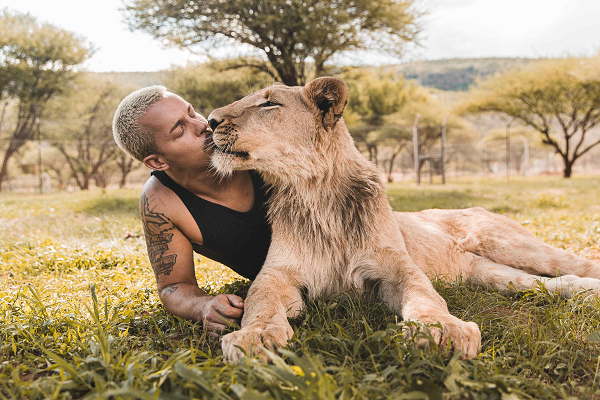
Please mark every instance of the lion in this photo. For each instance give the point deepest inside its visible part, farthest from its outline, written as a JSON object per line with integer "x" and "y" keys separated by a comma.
{"x": 334, "y": 229}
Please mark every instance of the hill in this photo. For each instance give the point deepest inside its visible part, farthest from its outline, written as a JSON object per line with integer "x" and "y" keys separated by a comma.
{"x": 456, "y": 74}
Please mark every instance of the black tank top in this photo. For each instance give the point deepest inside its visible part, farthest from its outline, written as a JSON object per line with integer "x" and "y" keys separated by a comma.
{"x": 240, "y": 240}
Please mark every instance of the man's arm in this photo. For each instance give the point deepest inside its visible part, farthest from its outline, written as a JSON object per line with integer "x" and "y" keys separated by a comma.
{"x": 171, "y": 256}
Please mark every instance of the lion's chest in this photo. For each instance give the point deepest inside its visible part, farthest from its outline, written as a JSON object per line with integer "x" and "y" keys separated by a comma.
{"x": 323, "y": 241}
{"x": 324, "y": 225}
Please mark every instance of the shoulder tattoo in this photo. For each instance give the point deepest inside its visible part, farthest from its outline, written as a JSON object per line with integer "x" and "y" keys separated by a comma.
{"x": 157, "y": 230}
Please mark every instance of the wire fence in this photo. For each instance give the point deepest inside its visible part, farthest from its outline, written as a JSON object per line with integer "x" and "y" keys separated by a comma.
{"x": 489, "y": 159}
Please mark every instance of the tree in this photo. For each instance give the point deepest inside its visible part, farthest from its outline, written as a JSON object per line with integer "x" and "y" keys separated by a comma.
{"x": 561, "y": 95}
{"x": 82, "y": 128}
{"x": 126, "y": 165}
{"x": 290, "y": 37}
{"x": 56, "y": 166}
{"x": 372, "y": 97}
{"x": 395, "y": 136}
{"x": 103, "y": 174}
{"x": 52, "y": 162}
{"x": 207, "y": 88}
{"x": 37, "y": 63}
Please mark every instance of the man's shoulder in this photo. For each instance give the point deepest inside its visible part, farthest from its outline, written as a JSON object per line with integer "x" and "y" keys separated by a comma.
{"x": 155, "y": 195}
{"x": 155, "y": 186}
{"x": 159, "y": 203}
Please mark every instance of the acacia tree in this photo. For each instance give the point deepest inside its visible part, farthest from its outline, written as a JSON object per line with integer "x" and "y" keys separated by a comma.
{"x": 293, "y": 36}
{"x": 103, "y": 174}
{"x": 126, "y": 165}
{"x": 82, "y": 128}
{"x": 207, "y": 88}
{"x": 37, "y": 63}
{"x": 56, "y": 166}
{"x": 557, "y": 95}
{"x": 372, "y": 97}
{"x": 396, "y": 137}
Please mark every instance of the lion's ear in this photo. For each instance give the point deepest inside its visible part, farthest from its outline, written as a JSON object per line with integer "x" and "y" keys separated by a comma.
{"x": 329, "y": 95}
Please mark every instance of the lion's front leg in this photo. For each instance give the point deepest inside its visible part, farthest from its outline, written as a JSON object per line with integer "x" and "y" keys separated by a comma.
{"x": 272, "y": 297}
{"x": 408, "y": 291}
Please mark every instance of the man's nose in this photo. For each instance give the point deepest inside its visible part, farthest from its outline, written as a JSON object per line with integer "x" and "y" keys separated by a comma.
{"x": 202, "y": 125}
{"x": 213, "y": 123}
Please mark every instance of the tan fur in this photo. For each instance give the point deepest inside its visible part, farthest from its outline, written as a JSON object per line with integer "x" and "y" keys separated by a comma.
{"x": 333, "y": 228}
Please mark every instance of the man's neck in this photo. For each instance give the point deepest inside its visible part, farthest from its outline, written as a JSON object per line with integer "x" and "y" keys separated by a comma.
{"x": 206, "y": 183}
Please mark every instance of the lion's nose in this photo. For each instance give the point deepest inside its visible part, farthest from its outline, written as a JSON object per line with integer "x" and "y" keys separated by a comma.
{"x": 213, "y": 123}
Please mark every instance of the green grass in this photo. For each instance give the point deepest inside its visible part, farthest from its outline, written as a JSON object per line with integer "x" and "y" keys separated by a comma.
{"x": 80, "y": 317}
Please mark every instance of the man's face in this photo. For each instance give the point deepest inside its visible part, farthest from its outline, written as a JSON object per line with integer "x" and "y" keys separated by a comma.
{"x": 180, "y": 133}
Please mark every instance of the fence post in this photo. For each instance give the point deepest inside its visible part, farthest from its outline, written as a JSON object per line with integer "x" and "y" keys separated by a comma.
{"x": 444, "y": 149}
{"x": 508, "y": 149}
{"x": 525, "y": 155}
{"x": 416, "y": 143}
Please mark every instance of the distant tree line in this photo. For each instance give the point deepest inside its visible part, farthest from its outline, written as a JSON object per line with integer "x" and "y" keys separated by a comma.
{"x": 457, "y": 74}
{"x": 456, "y": 79}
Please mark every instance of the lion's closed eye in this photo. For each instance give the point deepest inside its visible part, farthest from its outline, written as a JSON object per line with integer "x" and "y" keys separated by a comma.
{"x": 268, "y": 104}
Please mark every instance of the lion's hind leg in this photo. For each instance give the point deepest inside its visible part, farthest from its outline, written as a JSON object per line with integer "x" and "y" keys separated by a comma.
{"x": 499, "y": 276}
{"x": 506, "y": 242}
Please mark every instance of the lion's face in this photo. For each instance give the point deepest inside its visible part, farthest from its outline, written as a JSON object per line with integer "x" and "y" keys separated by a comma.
{"x": 275, "y": 130}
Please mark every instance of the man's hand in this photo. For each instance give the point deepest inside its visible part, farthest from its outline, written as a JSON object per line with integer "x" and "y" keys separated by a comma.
{"x": 221, "y": 311}
{"x": 186, "y": 300}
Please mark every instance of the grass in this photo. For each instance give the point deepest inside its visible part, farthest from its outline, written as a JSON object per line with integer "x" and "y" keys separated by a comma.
{"x": 80, "y": 317}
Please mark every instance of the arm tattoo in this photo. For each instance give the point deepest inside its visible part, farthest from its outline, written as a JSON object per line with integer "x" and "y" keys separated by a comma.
{"x": 169, "y": 289}
{"x": 158, "y": 237}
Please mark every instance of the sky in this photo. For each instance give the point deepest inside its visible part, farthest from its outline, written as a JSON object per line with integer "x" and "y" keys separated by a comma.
{"x": 451, "y": 29}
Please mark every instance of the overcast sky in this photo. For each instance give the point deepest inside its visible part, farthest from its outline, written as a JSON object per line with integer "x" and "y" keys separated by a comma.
{"x": 452, "y": 28}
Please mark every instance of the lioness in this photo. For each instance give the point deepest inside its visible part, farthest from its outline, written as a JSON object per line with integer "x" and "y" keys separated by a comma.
{"x": 333, "y": 227}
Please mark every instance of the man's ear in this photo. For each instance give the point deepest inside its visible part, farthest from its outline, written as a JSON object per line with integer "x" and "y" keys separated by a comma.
{"x": 156, "y": 162}
{"x": 329, "y": 95}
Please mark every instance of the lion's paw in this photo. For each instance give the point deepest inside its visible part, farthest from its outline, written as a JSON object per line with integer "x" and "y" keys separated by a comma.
{"x": 251, "y": 337}
{"x": 464, "y": 336}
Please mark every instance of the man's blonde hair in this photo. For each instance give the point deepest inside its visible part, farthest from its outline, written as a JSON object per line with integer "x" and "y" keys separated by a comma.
{"x": 135, "y": 140}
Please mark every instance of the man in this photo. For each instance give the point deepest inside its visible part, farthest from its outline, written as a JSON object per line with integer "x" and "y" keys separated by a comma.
{"x": 185, "y": 207}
